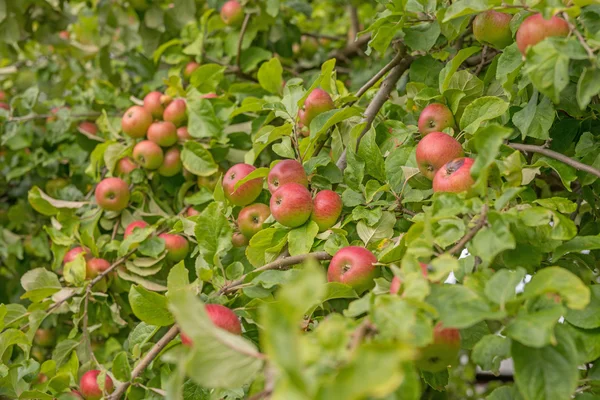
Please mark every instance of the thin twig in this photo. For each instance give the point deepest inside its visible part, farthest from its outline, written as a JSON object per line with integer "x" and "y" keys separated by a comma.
{"x": 359, "y": 334}
{"x": 86, "y": 335}
{"x": 354, "y": 24}
{"x": 482, "y": 63}
{"x": 580, "y": 37}
{"x": 238, "y": 60}
{"x": 395, "y": 61}
{"x": 458, "y": 247}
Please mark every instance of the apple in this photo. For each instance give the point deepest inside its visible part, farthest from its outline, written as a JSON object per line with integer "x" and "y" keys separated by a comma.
{"x": 44, "y": 337}
{"x": 95, "y": 266}
{"x": 248, "y": 191}
{"x": 535, "y": 28}
{"x": 222, "y": 317}
{"x": 176, "y": 245}
{"x": 183, "y": 134}
{"x": 492, "y": 28}
{"x": 152, "y": 103}
{"x": 454, "y": 176}
{"x": 71, "y": 254}
{"x": 239, "y": 240}
{"x": 191, "y": 212}
{"x": 304, "y": 131}
{"x": 125, "y": 166}
{"x": 209, "y": 182}
{"x": 189, "y": 69}
{"x": 88, "y": 127}
{"x": 209, "y": 96}
{"x": 232, "y": 13}
{"x": 435, "y": 150}
{"x": 435, "y": 118}
{"x": 176, "y": 112}
{"x": 327, "y": 208}
{"x": 3, "y": 96}
{"x": 163, "y": 133}
{"x": 251, "y": 219}
{"x": 88, "y": 385}
{"x": 317, "y": 102}
{"x": 136, "y": 121}
{"x": 5, "y": 106}
{"x": 286, "y": 171}
{"x": 353, "y": 266}
{"x": 291, "y": 205}
{"x": 112, "y": 194}
{"x": 131, "y": 227}
{"x": 148, "y": 154}
{"x": 442, "y": 352}
{"x": 172, "y": 163}
{"x": 397, "y": 282}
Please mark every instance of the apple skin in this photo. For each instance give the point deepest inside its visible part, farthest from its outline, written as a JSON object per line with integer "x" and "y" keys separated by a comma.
{"x": 189, "y": 69}
{"x": 251, "y": 219}
{"x": 239, "y": 240}
{"x": 191, "y": 212}
{"x": 89, "y": 388}
{"x": 177, "y": 246}
{"x": 435, "y": 150}
{"x": 64, "y": 35}
{"x": 353, "y": 266}
{"x": 304, "y": 131}
{"x": 443, "y": 351}
{"x": 247, "y": 192}
{"x": 535, "y": 28}
{"x": 492, "y": 28}
{"x": 153, "y": 104}
{"x": 112, "y": 194}
{"x": 148, "y": 154}
{"x": 327, "y": 208}
{"x": 209, "y": 96}
{"x": 435, "y": 118}
{"x": 454, "y": 176}
{"x": 232, "y": 13}
{"x": 163, "y": 133}
{"x": 136, "y": 121}
{"x": 291, "y": 205}
{"x": 172, "y": 163}
{"x": 176, "y": 112}
{"x": 397, "y": 282}
{"x": 88, "y": 127}
{"x": 5, "y": 106}
{"x": 131, "y": 227}
{"x": 3, "y": 96}
{"x": 95, "y": 266}
{"x": 183, "y": 134}
{"x": 286, "y": 171}
{"x": 222, "y": 317}
{"x": 44, "y": 337}
{"x": 71, "y": 254}
{"x": 125, "y": 166}
{"x": 317, "y": 102}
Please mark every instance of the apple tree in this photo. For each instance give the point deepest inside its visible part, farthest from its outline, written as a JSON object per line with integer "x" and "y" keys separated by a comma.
{"x": 266, "y": 199}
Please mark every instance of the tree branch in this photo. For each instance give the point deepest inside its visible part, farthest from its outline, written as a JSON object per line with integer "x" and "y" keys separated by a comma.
{"x": 458, "y": 247}
{"x": 557, "y": 156}
{"x": 84, "y": 329}
{"x": 395, "y": 61}
{"x": 322, "y": 36}
{"x": 581, "y": 39}
{"x": 238, "y": 60}
{"x": 354, "y": 24}
{"x": 143, "y": 364}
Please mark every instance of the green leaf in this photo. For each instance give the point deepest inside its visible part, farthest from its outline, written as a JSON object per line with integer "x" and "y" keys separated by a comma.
{"x": 301, "y": 239}
{"x": 368, "y": 150}
{"x": 121, "y": 368}
{"x": 576, "y": 245}
{"x": 559, "y": 280}
{"x": 253, "y": 56}
{"x": 257, "y": 173}
{"x": 213, "y": 233}
{"x": 383, "y": 229}
{"x": 39, "y": 283}
{"x": 149, "y": 307}
{"x": 451, "y": 67}
{"x": 269, "y": 76}
{"x": 535, "y": 120}
{"x": 202, "y": 123}
{"x": 46, "y": 205}
{"x": 535, "y": 328}
{"x": 501, "y": 287}
{"x": 588, "y": 86}
{"x": 179, "y": 278}
{"x": 487, "y": 142}
{"x": 480, "y": 110}
{"x": 13, "y": 337}
{"x": 567, "y": 173}
{"x": 589, "y": 317}
{"x": 63, "y": 350}
{"x": 468, "y": 7}
{"x": 489, "y": 242}
{"x": 197, "y": 159}
{"x": 422, "y": 36}
{"x": 206, "y": 78}
{"x": 489, "y": 352}
{"x": 74, "y": 271}
{"x": 322, "y": 122}
{"x": 548, "y": 69}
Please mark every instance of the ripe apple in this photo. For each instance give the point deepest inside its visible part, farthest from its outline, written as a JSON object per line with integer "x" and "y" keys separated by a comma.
{"x": 232, "y": 13}
{"x": 251, "y": 219}
{"x": 317, "y": 102}
{"x": 435, "y": 150}
{"x": 291, "y": 205}
{"x": 353, "y": 266}
{"x": 454, "y": 176}
{"x": 209, "y": 182}
{"x": 304, "y": 131}
{"x": 493, "y": 29}
{"x": 64, "y": 35}
{"x": 183, "y": 134}
{"x": 239, "y": 240}
{"x": 327, "y": 208}
{"x": 136, "y": 121}
{"x": 112, "y": 194}
{"x": 189, "y": 69}
{"x": 172, "y": 163}
{"x": 286, "y": 171}
{"x": 44, "y": 337}
{"x": 95, "y": 266}
{"x": 153, "y": 104}
{"x": 125, "y": 166}
{"x": 71, "y": 254}
{"x": 248, "y": 191}
{"x": 163, "y": 133}
{"x": 535, "y": 28}
{"x": 222, "y": 317}
{"x": 148, "y": 154}
{"x": 177, "y": 246}
{"x": 442, "y": 352}
{"x": 131, "y": 227}
{"x": 397, "y": 282}
{"x": 88, "y": 127}
{"x": 5, "y": 106}
{"x": 191, "y": 212}
{"x": 176, "y": 112}
{"x": 88, "y": 385}
{"x": 435, "y": 118}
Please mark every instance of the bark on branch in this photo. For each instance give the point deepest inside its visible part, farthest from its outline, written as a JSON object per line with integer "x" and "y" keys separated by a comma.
{"x": 458, "y": 247}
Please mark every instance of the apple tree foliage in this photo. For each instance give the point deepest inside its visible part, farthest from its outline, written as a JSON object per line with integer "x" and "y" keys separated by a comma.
{"x": 521, "y": 245}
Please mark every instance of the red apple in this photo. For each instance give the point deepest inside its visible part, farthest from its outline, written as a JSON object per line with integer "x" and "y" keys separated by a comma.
{"x": 535, "y": 28}
{"x": 209, "y": 96}
{"x": 435, "y": 150}
{"x": 353, "y": 266}
{"x": 303, "y": 128}
{"x": 163, "y": 133}
{"x": 172, "y": 163}
{"x": 136, "y": 121}
{"x": 153, "y": 104}
{"x": 248, "y": 191}
{"x": 112, "y": 194}
{"x": 131, "y": 227}
{"x": 454, "y": 177}
{"x": 189, "y": 69}
{"x": 5, "y": 106}
{"x": 327, "y": 208}
{"x": 239, "y": 240}
{"x": 44, "y": 337}
{"x": 176, "y": 245}
{"x": 191, "y": 212}
{"x": 222, "y": 317}
{"x": 64, "y": 35}
{"x": 88, "y": 127}
{"x": 435, "y": 118}
{"x": 183, "y": 134}
{"x": 232, "y": 13}
{"x": 251, "y": 219}
{"x": 176, "y": 112}
{"x": 148, "y": 154}
{"x": 88, "y": 385}
{"x": 397, "y": 282}
{"x": 71, "y": 254}
{"x": 125, "y": 166}
{"x": 3, "y": 96}
{"x": 317, "y": 102}
{"x": 492, "y": 28}
{"x": 95, "y": 266}
{"x": 286, "y": 171}
{"x": 443, "y": 352}
{"x": 291, "y": 205}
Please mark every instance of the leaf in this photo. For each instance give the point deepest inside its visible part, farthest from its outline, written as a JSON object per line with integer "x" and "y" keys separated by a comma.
{"x": 206, "y": 78}
{"x": 487, "y": 142}
{"x": 422, "y": 36}
{"x": 253, "y": 56}
{"x": 489, "y": 242}
{"x": 467, "y": 7}
{"x": 257, "y": 173}
{"x": 213, "y": 233}
{"x": 448, "y": 71}
{"x": 548, "y": 69}
{"x": 39, "y": 284}
{"x": 121, "y": 368}
{"x": 322, "y": 122}
{"x": 12, "y": 337}
{"x": 480, "y": 110}
{"x": 46, "y": 205}
{"x": 561, "y": 281}
{"x": 566, "y": 172}
{"x": 535, "y": 328}
{"x": 74, "y": 271}
{"x": 149, "y": 307}
{"x": 368, "y": 150}
{"x": 589, "y": 317}
{"x": 576, "y": 245}
{"x": 269, "y": 76}
{"x": 63, "y": 350}
{"x": 489, "y": 352}
{"x": 383, "y": 229}
{"x": 501, "y": 287}
{"x": 202, "y": 123}
{"x": 535, "y": 120}
{"x": 588, "y": 86}
{"x": 301, "y": 239}
{"x": 179, "y": 278}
